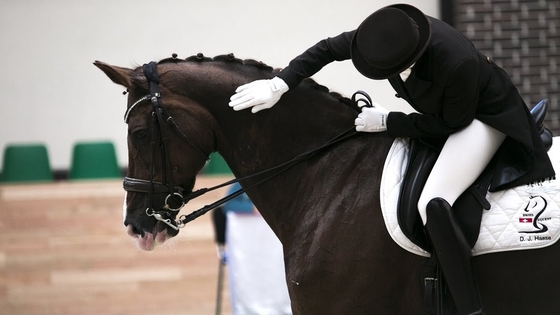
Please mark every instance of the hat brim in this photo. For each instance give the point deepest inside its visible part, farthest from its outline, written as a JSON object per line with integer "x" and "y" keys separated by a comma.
{"x": 366, "y": 69}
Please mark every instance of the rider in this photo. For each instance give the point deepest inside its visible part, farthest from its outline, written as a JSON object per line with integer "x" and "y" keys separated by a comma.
{"x": 464, "y": 102}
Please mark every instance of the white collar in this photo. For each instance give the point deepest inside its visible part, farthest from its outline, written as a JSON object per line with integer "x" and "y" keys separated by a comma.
{"x": 404, "y": 75}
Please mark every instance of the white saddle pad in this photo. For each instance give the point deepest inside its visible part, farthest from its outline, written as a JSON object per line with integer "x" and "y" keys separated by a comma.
{"x": 525, "y": 217}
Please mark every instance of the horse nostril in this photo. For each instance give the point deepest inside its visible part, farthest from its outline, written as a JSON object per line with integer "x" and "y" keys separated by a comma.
{"x": 137, "y": 231}
{"x": 133, "y": 229}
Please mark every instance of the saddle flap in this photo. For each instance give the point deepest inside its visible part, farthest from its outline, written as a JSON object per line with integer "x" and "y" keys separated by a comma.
{"x": 467, "y": 208}
{"x": 421, "y": 160}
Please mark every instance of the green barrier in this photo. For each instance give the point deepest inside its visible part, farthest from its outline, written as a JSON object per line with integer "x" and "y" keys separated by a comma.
{"x": 216, "y": 165}
{"x": 26, "y": 163}
{"x": 94, "y": 160}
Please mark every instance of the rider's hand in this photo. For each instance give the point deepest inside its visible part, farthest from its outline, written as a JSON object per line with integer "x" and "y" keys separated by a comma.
{"x": 372, "y": 119}
{"x": 259, "y": 95}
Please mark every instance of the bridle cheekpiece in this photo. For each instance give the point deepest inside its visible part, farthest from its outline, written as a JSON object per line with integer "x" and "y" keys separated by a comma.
{"x": 175, "y": 200}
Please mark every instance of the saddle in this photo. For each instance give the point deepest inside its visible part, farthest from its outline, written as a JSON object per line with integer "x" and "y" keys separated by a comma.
{"x": 468, "y": 207}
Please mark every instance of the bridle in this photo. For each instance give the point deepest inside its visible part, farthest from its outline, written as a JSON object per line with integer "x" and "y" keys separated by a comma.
{"x": 175, "y": 199}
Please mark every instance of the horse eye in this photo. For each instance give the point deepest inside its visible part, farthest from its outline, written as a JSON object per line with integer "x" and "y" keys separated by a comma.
{"x": 141, "y": 134}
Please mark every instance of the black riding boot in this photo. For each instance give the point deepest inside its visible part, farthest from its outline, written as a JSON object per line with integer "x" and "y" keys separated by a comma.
{"x": 454, "y": 256}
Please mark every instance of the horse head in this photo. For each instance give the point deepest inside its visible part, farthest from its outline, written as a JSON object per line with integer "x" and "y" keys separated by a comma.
{"x": 158, "y": 174}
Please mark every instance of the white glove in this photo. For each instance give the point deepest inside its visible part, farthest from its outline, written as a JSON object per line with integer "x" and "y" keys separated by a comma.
{"x": 259, "y": 94}
{"x": 372, "y": 119}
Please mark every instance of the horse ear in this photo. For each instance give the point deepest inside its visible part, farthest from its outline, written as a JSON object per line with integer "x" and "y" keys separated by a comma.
{"x": 119, "y": 75}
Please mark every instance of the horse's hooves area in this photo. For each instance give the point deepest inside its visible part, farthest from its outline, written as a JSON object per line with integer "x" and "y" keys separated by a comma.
{"x": 64, "y": 250}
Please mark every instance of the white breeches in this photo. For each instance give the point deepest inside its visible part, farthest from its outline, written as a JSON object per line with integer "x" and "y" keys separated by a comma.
{"x": 464, "y": 156}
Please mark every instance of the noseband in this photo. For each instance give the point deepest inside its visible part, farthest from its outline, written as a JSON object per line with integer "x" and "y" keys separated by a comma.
{"x": 175, "y": 199}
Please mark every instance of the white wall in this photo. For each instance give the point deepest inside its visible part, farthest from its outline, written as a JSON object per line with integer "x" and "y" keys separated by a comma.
{"x": 51, "y": 93}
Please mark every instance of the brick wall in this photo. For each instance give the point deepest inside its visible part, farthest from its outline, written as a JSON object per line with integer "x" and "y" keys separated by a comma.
{"x": 523, "y": 37}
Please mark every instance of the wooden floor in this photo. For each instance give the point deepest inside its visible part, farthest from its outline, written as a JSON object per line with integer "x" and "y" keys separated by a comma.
{"x": 64, "y": 250}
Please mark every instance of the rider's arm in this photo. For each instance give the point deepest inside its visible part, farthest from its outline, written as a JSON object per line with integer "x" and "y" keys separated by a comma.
{"x": 263, "y": 94}
{"x": 455, "y": 110}
{"x": 316, "y": 57}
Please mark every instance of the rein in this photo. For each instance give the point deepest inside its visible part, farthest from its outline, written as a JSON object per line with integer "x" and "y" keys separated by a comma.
{"x": 184, "y": 219}
{"x": 175, "y": 199}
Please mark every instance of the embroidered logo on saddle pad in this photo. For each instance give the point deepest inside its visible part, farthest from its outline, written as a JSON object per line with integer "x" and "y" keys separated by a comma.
{"x": 525, "y": 217}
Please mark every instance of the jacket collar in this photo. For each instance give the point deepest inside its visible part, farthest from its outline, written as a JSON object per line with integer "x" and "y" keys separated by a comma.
{"x": 420, "y": 80}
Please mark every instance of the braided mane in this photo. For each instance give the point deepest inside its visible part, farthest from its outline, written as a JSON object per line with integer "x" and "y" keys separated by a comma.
{"x": 230, "y": 58}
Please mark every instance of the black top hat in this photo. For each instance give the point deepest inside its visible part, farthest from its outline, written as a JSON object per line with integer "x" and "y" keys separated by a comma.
{"x": 390, "y": 40}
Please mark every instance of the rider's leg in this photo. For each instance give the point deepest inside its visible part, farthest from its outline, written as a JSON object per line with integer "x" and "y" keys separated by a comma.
{"x": 463, "y": 157}
{"x": 454, "y": 256}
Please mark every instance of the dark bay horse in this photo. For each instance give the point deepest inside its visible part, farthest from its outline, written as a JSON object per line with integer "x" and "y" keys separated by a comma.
{"x": 325, "y": 210}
